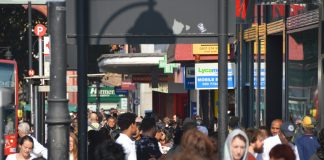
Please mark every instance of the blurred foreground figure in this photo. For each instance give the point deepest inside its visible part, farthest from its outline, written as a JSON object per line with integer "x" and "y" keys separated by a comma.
{"x": 282, "y": 152}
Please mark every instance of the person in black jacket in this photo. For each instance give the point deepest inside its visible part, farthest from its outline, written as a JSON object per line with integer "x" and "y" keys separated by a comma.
{"x": 147, "y": 147}
{"x": 111, "y": 127}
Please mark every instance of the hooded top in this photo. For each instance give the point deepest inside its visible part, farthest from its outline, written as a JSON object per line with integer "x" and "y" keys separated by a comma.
{"x": 229, "y": 139}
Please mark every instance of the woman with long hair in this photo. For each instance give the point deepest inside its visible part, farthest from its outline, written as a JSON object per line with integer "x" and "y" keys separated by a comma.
{"x": 73, "y": 147}
{"x": 26, "y": 145}
{"x": 197, "y": 143}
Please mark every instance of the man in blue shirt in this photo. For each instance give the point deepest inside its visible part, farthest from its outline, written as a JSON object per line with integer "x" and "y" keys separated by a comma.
{"x": 307, "y": 144}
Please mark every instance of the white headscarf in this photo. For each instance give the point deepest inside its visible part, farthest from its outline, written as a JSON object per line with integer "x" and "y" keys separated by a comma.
{"x": 227, "y": 147}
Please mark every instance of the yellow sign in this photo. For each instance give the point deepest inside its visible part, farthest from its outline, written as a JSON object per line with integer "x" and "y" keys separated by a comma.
{"x": 20, "y": 113}
{"x": 262, "y": 47}
{"x": 207, "y": 49}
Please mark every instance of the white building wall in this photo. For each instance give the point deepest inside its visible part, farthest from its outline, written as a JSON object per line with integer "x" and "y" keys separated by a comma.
{"x": 146, "y": 100}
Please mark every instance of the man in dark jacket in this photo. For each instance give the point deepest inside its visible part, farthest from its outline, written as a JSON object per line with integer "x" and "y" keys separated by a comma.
{"x": 147, "y": 147}
{"x": 111, "y": 127}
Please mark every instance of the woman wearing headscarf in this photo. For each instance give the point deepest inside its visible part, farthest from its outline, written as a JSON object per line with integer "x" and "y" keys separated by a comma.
{"x": 236, "y": 145}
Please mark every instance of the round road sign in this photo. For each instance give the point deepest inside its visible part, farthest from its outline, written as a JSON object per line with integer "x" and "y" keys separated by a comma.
{"x": 136, "y": 101}
{"x": 31, "y": 72}
{"x": 40, "y": 30}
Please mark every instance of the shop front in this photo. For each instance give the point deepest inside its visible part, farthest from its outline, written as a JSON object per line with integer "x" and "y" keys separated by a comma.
{"x": 282, "y": 54}
{"x": 105, "y": 98}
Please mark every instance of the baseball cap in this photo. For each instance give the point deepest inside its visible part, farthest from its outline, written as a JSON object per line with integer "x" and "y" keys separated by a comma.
{"x": 308, "y": 122}
{"x": 288, "y": 129}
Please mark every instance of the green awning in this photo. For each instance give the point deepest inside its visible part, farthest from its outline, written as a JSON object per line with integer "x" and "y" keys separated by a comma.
{"x": 72, "y": 108}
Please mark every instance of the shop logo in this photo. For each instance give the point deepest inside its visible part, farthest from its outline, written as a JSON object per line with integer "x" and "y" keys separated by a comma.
{"x": 207, "y": 70}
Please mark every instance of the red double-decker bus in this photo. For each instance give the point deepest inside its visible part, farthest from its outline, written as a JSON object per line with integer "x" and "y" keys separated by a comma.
{"x": 9, "y": 118}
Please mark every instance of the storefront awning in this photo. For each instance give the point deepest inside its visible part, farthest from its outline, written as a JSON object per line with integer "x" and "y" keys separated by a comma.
{"x": 139, "y": 63}
{"x": 72, "y": 108}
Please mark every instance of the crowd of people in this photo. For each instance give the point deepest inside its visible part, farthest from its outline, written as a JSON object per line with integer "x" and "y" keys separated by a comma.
{"x": 127, "y": 136}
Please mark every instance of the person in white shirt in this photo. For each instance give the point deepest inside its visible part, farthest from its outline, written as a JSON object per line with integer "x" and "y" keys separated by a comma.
{"x": 39, "y": 150}
{"x": 25, "y": 148}
{"x": 128, "y": 128}
{"x": 282, "y": 137}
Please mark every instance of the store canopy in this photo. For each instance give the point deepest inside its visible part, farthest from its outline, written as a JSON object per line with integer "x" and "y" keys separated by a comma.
{"x": 72, "y": 108}
{"x": 139, "y": 63}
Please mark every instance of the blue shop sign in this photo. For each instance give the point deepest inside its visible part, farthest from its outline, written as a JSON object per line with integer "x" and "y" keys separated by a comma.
{"x": 119, "y": 91}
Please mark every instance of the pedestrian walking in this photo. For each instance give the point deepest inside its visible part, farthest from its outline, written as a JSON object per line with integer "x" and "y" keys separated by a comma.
{"x": 319, "y": 155}
{"x": 111, "y": 127}
{"x": 147, "y": 147}
{"x": 38, "y": 150}
{"x": 282, "y": 152}
{"x": 109, "y": 150}
{"x": 283, "y": 136}
{"x": 307, "y": 144}
{"x": 256, "y": 139}
{"x": 236, "y": 145}
{"x": 126, "y": 122}
{"x": 26, "y": 145}
{"x": 73, "y": 146}
{"x": 195, "y": 145}
{"x": 93, "y": 122}
{"x": 275, "y": 126}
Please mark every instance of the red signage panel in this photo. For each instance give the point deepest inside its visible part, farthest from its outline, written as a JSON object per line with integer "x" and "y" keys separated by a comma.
{"x": 148, "y": 78}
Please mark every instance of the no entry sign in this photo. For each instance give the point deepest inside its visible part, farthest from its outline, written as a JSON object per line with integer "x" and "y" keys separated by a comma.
{"x": 40, "y": 30}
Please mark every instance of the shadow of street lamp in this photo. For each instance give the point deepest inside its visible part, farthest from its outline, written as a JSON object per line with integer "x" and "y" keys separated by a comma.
{"x": 8, "y": 55}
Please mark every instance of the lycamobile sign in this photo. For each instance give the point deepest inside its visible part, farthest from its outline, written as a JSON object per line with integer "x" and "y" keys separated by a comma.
{"x": 206, "y": 70}
{"x": 206, "y": 76}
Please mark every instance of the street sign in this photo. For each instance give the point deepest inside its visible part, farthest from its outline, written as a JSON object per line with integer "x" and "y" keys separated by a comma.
{"x": 136, "y": 101}
{"x": 189, "y": 81}
{"x": 46, "y": 46}
{"x": 31, "y": 72}
{"x": 207, "y": 49}
{"x": 119, "y": 91}
{"x": 40, "y": 30}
